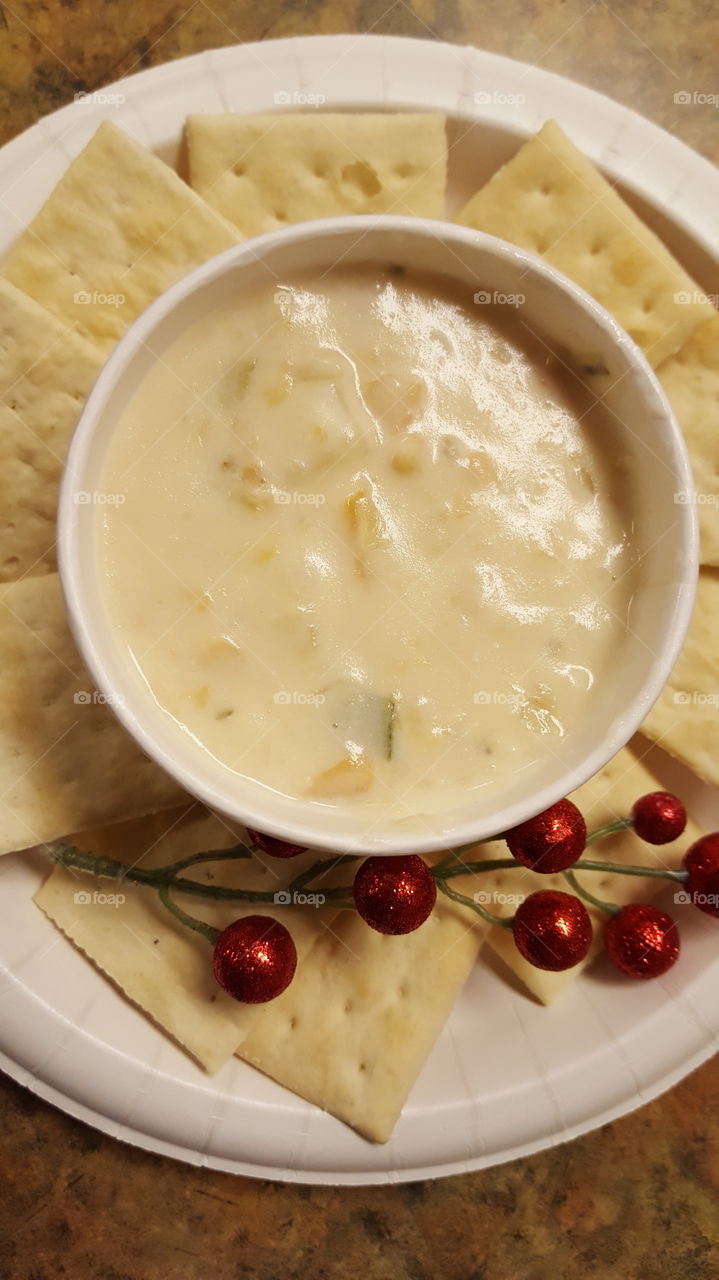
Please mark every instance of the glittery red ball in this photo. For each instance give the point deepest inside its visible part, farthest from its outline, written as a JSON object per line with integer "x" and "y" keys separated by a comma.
{"x": 395, "y": 895}
{"x": 659, "y": 817}
{"x": 276, "y": 848}
{"x": 552, "y": 841}
{"x": 702, "y": 863}
{"x": 552, "y": 930}
{"x": 642, "y": 941}
{"x": 255, "y": 959}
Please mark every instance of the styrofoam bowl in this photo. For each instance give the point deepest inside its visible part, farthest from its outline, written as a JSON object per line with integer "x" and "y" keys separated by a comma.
{"x": 571, "y": 323}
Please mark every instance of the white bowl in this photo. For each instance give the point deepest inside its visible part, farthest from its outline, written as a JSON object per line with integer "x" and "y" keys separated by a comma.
{"x": 571, "y": 322}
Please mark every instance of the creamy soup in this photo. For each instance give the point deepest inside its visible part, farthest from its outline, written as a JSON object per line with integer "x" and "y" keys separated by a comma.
{"x": 368, "y": 541}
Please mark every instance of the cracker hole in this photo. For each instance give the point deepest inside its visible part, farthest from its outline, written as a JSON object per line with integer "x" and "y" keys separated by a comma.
{"x": 596, "y": 248}
{"x": 362, "y": 176}
{"x": 363, "y": 1066}
{"x": 404, "y": 170}
{"x": 293, "y": 1024}
{"x": 348, "y": 1006}
{"x": 403, "y": 991}
{"x": 280, "y": 215}
{"x": 239, "y": 171}
{"x": 546, "y": 189}
{"x": 319, "y": 171}
{"x": 604, "y": 883}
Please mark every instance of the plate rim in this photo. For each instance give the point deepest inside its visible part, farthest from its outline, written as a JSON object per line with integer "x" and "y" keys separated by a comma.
{"x": 311, "y": 1177}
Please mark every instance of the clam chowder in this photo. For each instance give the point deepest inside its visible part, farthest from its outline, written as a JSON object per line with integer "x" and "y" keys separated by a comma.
{"x": 369, "y": 542}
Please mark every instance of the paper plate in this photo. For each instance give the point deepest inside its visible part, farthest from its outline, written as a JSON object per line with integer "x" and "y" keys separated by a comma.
{"x": 506, "y": 1078}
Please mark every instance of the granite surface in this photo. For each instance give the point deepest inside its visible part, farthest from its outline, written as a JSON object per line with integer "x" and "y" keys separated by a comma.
{"x": 637, "y": 1200}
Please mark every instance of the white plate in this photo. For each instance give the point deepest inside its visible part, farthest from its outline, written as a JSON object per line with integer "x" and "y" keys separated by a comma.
{"x": 506, "y": 1077}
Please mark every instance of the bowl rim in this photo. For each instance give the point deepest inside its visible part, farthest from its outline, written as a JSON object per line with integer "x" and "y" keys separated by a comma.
{"x": 79, "y": 601}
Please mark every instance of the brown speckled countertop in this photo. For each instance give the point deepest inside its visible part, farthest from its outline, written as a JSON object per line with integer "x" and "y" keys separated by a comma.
{"x": 636, "y": 1200}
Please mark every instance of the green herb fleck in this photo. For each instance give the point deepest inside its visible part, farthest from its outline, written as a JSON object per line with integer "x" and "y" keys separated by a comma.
{"x": 391, "y": 717}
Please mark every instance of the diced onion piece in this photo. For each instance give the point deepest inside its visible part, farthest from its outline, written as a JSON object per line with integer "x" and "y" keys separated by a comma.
{"x": 365, "y": 520}
{"x": 362, "y": 720}
{"x": 410, "y": 455}
{"x": 537, "y": 710}
{"x": 278, "y": 391}
{"x": 393, "y": 404}
{"x": 250, "y": 487}
{"x": 349, "y": 777}
{"x": 200, "y": 696}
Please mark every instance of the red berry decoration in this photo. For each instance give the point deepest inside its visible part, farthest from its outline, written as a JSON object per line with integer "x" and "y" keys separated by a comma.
{"x": 642, "y": 941}
{"x": 276, "y": 848}
{"x": 552, "y": 841}
{"x": 255, "y": 959}
{"x": 659, "y": 817}
{"x": 552, "y": 930}
{"x": 395, "y": 895}
{"x": 702, "y": 863}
